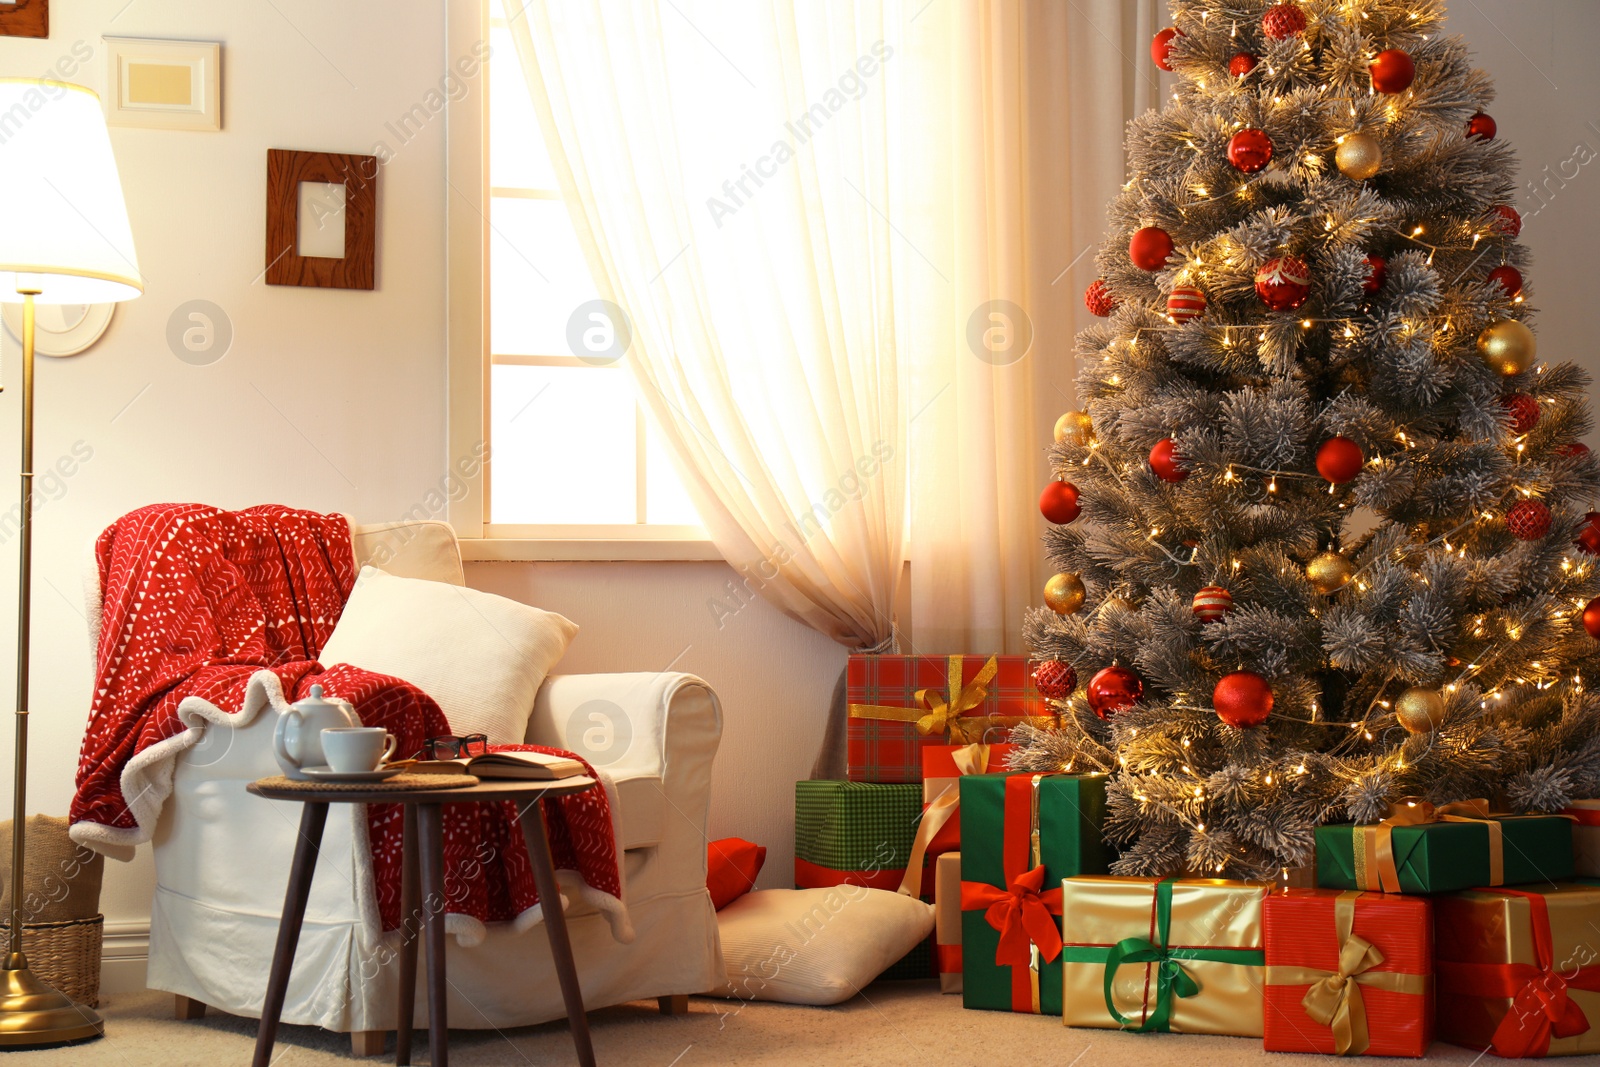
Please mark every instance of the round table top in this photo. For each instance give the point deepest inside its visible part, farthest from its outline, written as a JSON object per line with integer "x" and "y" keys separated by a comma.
{"x": 485, "y": 790}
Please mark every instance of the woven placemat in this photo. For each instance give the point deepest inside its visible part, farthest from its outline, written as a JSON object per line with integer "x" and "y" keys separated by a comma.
{"x": 400, "y": 783}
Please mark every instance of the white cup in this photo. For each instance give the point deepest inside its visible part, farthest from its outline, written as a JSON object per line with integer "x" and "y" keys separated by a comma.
{"x": 354, "y": 749}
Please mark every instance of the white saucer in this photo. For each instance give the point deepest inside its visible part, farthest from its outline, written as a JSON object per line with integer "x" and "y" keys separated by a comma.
{"x": 328, "y": 774}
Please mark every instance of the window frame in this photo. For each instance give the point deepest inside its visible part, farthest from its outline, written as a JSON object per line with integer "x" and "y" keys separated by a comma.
{"x": 469, "y": 356}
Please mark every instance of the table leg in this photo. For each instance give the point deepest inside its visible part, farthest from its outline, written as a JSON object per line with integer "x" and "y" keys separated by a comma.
{"x": 555, "y": 924}
{"x": 411, "y": 933}
{"x": 430, "y": 840}
{"x": 313, "y": 817}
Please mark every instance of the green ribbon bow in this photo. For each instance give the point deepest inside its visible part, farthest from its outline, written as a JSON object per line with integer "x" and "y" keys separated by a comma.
{"x": 1172, "y": 979}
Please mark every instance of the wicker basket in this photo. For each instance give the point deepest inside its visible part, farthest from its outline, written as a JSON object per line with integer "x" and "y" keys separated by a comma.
{"x": 66, "y": 954}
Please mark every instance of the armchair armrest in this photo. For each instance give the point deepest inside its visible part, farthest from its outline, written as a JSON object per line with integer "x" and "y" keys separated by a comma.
{"x": 655, "y": 734}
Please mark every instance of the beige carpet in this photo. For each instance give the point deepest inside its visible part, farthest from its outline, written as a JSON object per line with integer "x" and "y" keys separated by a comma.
{"x": 892, "y": 1023}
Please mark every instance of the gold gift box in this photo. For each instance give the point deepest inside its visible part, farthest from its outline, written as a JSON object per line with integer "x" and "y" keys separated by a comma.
{"x": 1496, "y": 927}
{"x": 1207, "y": 916}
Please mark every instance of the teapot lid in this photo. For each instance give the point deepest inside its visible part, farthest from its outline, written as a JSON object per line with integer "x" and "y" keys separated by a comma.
{"x": 317, "y": 698}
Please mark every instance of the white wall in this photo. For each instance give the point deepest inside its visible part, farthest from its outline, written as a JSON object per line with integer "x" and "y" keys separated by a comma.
{"x": 334, "y": 400}
{"x": 328, "y": 399}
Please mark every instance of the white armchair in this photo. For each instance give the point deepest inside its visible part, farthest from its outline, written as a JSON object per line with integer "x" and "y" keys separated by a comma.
{"x": 222, "y": 861}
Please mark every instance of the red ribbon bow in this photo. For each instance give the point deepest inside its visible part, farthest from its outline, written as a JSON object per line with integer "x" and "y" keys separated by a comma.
{"x": 1541, "y": 1007}
{"x": 1022, "y": 914}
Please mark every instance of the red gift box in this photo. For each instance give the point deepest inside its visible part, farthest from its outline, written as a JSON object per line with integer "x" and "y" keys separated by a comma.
{"x": 900, "y": 705}
{"x": 939, "y": 830}
{"x": 1349, "y": 973}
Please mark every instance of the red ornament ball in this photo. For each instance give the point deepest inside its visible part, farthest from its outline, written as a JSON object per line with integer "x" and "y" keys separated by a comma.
{"x": 1149, "y": 248}
{"x": 1377, "y": 274}
{"x": 1283, "y": 284}
{"x": 1185, "y": 303}
{"x": 1250, "y": 150}
{"x": 1283, "y": 21}
{"x": 1528, "y": 520}
{"x": 1243, "y": 699}
{"x": 1161, "y": 48}
{"x": 1573, "y": 450}
{"x": 1510, "y": 279}
{"x": 1113, "y": 689}
{"x": 1482, "y": 127}
{"x": 1059, "y": 502}
{"x": 1055, "y": 680}
{"x": 1589, "y": 536}
{"x": 1212, "y": 603}
{"x": 1591, "y": 618}
{"x": 1524, "y": 412}
{"x": 1506, "y": 220}
{"x": 1242, "y": 64}
{"x": 1339, "y": 460}
{"x": 1164, "y": 461}
{"x": 1098, "y": 299}
{"x": 1392, "y": 71}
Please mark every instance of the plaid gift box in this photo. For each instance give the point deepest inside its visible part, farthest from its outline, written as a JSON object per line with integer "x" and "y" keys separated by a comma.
{"x": 856, "y": 833}
{"x": 900, "y": 704}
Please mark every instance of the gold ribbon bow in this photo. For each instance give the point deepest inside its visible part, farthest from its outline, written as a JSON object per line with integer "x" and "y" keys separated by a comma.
{"x": 1334, "y": 997}
{"x": 937, "y": 715}
{"x": 972, "y": 759}
{"x": 1374, "y": 845}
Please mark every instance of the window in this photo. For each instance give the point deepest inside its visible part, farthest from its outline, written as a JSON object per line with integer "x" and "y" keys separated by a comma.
{"x": 572, "y": 453}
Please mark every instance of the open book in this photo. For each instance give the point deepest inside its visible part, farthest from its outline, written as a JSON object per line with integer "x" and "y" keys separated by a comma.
{"x": 503, "y": 765}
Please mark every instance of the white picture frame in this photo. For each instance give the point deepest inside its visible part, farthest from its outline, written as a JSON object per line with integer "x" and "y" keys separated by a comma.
{"x": 163, "y": 85}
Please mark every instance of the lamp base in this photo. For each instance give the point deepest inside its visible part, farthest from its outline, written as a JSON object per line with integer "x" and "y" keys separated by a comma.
{"x": 32, "y": 1014}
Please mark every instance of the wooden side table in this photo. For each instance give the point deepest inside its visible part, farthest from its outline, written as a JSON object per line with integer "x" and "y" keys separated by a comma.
{"x": 423, "y": 879}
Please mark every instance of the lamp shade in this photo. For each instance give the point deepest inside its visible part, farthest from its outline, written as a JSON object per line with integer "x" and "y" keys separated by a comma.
{"x": 63, "y": 226}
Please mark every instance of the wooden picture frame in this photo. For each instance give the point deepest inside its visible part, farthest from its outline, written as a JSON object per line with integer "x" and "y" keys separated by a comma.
{"x": 286, "y": 170}
{"x": 163, "y": 85}
{"x": 25, "y": 18}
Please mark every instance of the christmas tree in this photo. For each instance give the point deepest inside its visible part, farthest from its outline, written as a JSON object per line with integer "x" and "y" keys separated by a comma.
{"x": 1315, "y": 524}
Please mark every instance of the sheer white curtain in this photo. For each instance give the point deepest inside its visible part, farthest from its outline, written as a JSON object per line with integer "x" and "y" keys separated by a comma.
{"x": 734, "y": 193}
{"x": 1031, "y": 98}
{"x": 810, "y": 212}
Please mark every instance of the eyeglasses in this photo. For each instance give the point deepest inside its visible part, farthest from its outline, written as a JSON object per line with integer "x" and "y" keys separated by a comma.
{"x": 449, "y": 746}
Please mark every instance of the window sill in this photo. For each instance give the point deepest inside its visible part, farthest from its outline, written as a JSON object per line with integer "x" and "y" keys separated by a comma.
{"x": 541, "y": 549}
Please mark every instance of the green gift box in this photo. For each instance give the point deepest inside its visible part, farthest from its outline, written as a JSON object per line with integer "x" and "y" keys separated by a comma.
{"x": 856, "y": 833}
{"x": 859, "y": 833}
{"x": 1409, "y": 853}
{"x": 1021, "y": 834}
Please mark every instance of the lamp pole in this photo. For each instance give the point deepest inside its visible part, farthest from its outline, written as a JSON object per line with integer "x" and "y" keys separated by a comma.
{"x": 31, "y": 1012}
{"x": 15, "y": 960}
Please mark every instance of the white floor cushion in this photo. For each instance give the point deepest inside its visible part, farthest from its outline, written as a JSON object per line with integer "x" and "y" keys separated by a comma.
{"x": 815, "y": 946}
{"x": 481, "y": 657}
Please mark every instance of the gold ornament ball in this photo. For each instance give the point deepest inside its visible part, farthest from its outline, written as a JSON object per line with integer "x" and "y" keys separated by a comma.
{"x": 1329, "y": 572}
{"x": 1359, "y": 156}
{"x": 1075, "y": 427}
{"x": 1508, "y": 346}
{"x": 1420, "y": 710}
{"x": 1064, "y": 594}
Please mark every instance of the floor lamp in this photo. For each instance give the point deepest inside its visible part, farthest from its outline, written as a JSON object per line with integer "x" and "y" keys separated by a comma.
{"x": 64, "y": 239}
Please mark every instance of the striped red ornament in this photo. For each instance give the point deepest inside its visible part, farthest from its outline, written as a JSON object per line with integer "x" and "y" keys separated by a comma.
{"x": 1212, "y": 603}
{"x": 1185, "y": 303}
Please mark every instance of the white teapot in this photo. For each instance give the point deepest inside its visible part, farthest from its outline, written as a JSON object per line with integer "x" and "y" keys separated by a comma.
{"x": 298, "y": 738}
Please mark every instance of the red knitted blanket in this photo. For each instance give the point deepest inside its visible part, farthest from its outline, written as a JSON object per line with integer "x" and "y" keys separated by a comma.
{"x": 210, "y": 617}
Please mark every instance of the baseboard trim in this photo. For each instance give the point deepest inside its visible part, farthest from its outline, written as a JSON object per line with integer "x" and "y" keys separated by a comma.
{"x": 124, "y": 957}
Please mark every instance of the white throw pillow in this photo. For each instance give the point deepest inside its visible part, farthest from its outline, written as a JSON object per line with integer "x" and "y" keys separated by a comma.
{"x": 816, "y": 946}
{"x": 481, "y": 657}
